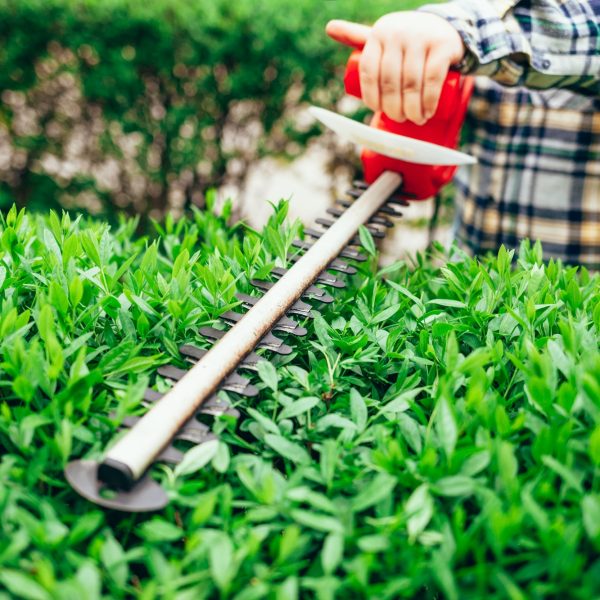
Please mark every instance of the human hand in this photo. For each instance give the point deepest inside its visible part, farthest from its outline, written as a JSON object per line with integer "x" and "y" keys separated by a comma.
{"x": 405, "y": 59}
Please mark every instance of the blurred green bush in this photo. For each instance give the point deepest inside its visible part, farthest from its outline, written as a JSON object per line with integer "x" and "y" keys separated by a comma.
{"x": 140, "y": 106}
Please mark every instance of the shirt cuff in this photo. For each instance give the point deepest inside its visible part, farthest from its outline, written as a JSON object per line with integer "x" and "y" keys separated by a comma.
{"x": 490, "y": 34}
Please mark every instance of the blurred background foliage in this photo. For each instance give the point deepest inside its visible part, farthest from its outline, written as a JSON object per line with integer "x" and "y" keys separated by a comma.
{"x": 123, "y": 105}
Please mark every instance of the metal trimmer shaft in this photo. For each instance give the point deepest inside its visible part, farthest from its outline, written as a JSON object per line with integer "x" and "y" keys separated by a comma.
{"x": 127, "y": 461}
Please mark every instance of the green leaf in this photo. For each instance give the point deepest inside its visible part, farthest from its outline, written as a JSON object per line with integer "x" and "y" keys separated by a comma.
{"x": 322, "y": 331}
{"x": 455, "y": 485}
{"x": 222, "y": 567}
{"x": 572, "y": 479}
{"x": 159, "y": 530}
{"x": 476, "y": 463}
{"x": 23, "y": 586}
{"x": 447, "y": 302}
{"x": 407, "y": 293}
{"x": 90, "y": 246}
{"x": 366, "y": 240}
{"x": 590, "y": 509}
{"x": 222, "y": 458}
{"x": 59, "y": 298}
{"x": 411, "y": 432}
{"x": 358, "y": 408}
{"x": 386, "y": 314}
{"x": 333, "y": 550}
{"x": 418, "y": 511}
{"x": 114, "y": 560}
{"x": 45, "y": 322}
{"x": 373, "y": 543}
{"x": 299, "y": 407}
{"x": 197, "y": 458}
{"x": 378, "y": 489}
{"x": 335, "y": 420}
{"x": 594, "y": 448}
{"x": 86, "y": 525}
{"x": 75, "y": 291}
{"x": 446, "y": 427}
{"x": 89, "y": 578}
{"x": 264, "y": 422}
{"x": 316, "y": 500}
{"x": 268, "y": 374}
{"x": 317, "y": 521}
{"x": 287, "y": 449}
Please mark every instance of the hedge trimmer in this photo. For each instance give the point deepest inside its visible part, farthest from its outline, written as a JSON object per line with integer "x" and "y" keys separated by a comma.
{"x": 401, "y": 161}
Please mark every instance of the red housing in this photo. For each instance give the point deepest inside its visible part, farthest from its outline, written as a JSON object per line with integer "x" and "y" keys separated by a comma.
{"x": 419, "y": 181}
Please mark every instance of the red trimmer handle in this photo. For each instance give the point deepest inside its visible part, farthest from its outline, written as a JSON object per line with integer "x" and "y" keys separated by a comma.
{"x": 419, "y": 181}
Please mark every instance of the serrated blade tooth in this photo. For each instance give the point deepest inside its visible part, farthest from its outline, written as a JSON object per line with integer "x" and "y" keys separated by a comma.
{"x": 375, "y": 232}
{"x": 347, "y": 252}
{"x": 391, "y": 211}
{"x": 336, "y": 212}
{"x": 216, "y": 406}
{"x": 378, "y": 220}
{"x": 151, "y": 396}
{"x": 316, "y": 234}
{"x": 298, "y": 308}
{"x": 360, "y": 184}
{"x": 397, "y": 198}
{"x": 338, "y": 265}
{"x": 233, "y": 383}
{"x": 284, "y": 324}
{"x": 193, "y": 431}
{"x": 324, "y": 278}
{"x": 240, "y": 385}
{"x": 269, "y": 341}
{"x": 312, "y": 292}
{"x": 170, "y": 455}
{"x": 194, "y": 354}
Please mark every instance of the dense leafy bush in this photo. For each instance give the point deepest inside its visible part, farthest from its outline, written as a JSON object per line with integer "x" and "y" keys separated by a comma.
{"x": 436, "y": 435}
{"x": 142, "y": 105}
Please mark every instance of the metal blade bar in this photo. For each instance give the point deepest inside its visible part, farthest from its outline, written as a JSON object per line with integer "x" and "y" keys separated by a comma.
{"x": 126, "y": 462}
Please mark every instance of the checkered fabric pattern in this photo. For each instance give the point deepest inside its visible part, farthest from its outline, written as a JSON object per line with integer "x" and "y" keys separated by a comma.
{"x": 533, "y": 124}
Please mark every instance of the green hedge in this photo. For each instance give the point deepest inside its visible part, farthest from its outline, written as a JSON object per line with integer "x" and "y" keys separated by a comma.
{"x": 141, "y": 106}
{"x": 436, "y": 435}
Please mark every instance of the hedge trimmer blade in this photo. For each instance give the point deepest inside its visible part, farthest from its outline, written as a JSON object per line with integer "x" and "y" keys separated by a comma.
{"x": 121, "y": 479}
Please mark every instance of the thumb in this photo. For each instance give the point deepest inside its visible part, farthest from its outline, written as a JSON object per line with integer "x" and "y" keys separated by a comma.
{"x": 350, "y": 34}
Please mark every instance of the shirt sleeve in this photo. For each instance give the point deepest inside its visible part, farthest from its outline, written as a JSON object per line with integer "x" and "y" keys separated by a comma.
{"x": 535, "y": 43}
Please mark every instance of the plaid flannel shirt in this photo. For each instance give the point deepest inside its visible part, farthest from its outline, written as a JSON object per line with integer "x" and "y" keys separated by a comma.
{"x": 533, "y": 124}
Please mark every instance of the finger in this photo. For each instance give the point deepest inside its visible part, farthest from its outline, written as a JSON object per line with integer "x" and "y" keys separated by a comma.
{"x": 390, "y": 81}
{"x": 413, "y": 67}
{"x": 436, "y": 70}
{"x": 350, "y": 34}
{"x": 370, "y": 64}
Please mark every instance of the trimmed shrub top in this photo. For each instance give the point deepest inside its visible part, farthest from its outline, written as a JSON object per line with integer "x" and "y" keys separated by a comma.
{"x": 437, "y": 434}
